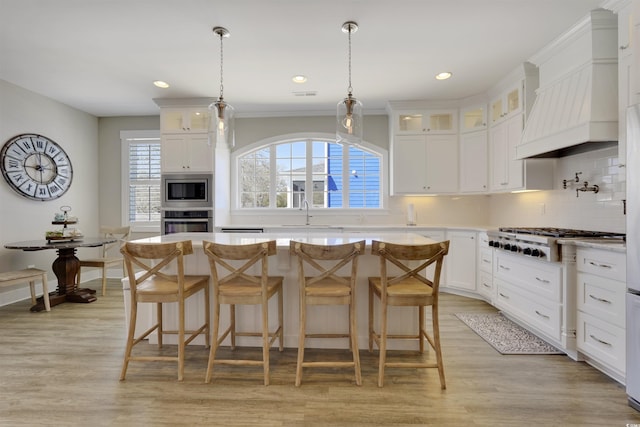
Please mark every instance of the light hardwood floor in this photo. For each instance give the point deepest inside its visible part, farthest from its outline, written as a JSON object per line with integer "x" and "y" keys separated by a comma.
{"x": 61, "y": 369}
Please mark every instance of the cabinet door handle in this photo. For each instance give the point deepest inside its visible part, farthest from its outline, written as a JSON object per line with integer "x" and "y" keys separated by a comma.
{"x": 595, "y": 264}
{"x": 599, "y": 340}
{"x": 486, "y": 286}
{"x": 504, "y": 268}
{"x": 503, "y": 295}
{"x": 599, "y": 299}
{"x": 542, "y": 315}
{"x": 486, "y": 261}
{"x": 542, "y": 280}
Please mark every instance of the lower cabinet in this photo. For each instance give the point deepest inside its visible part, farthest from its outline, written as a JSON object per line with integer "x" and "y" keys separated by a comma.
{"x": 460, "y": 263}
{"x": 531, "y": 292}
{"x": 601, "y": 309}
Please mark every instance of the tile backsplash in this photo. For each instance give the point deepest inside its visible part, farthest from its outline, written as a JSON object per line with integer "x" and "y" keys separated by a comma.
{"x": 560, "y": 207}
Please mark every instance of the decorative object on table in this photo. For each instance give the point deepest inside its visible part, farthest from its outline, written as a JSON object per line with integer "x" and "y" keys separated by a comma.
{"x": 64, "y": 219}
{"x": 349, "y": 114}
{"x": 36, "y": 167}
{"x": 504, "y": 335}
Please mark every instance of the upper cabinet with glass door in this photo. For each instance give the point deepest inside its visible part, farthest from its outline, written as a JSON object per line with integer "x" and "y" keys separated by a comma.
{"x": 184, "y": 120}
{"x": 507, "y": 104}
{"x": 473, "y": 118}
{"x": 412, "y": 122}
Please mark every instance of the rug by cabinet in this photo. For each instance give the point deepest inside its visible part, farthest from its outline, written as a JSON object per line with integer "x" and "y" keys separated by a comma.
{"x": 504, "y": 335}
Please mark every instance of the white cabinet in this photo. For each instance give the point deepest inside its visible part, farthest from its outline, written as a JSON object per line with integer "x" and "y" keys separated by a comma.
{"x": 461, "y": 261}
{"x": 425, "y": 164}
{"x": 184, "y": 139}
{"x": 412, "y": 122}
{"x": 627, "y": 71}
{"x": 485, "y": 268}
{"x": 473, "y": 118}
{"x": 184, "y": 120}
{"x": 601, "y": 291}
{"x": 508, "y": 173}
{"x": 507, "y": 103}
{"x": 531, "y": 291}
{"x": 474, "y": 162}
{"x": 186, "y": 153}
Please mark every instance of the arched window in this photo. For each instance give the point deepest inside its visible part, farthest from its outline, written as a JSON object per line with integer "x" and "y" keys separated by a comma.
{"x": 283, "y": 172}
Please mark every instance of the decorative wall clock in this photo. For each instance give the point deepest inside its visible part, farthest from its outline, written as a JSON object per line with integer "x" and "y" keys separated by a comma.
{"x": 36, "y": 167}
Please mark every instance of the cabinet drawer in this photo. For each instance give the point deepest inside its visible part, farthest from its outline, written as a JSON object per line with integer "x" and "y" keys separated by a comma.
{"x": 539, "y": 278}
{"x": 602, "y": 341}
{"x": 608, "y": 264}
{"x": 535, "y": 312}
{"x": 603, "y": 298}
{"x": 485, "y": 285}
{"x": 486, "y": 259}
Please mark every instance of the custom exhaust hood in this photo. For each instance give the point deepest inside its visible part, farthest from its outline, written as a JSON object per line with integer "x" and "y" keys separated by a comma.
{"x": 576, "y": 108}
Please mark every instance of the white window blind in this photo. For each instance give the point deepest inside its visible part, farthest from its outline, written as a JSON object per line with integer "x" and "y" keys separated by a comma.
{"x": 141, "y": 195}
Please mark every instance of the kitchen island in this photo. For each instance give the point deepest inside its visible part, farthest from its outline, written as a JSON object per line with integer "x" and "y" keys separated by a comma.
{"x": 329, "y": 318}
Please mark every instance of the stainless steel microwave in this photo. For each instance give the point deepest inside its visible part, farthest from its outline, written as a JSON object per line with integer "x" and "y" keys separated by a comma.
{"x": 184, "y": 191}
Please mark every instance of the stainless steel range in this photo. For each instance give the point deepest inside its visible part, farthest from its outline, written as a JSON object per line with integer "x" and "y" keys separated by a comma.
{"x": 540, "y": 243}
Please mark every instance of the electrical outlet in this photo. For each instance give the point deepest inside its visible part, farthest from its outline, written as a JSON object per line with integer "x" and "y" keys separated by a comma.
{"x": 31, "y": 266}
{"x": 543, "y": 208}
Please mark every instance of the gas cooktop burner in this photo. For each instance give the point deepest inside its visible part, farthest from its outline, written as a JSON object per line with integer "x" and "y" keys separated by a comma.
{"x": 559, "y": 232}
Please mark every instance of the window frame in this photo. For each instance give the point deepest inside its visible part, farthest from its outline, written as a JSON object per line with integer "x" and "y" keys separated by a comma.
{"x": 317, "y": 136}
{"x": 126, "y": 137}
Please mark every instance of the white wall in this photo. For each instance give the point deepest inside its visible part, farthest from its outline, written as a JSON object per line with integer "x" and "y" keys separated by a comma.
{"x": 21, "y": 219}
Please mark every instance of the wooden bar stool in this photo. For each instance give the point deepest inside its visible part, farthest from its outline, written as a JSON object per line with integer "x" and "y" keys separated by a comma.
{"x": 326, "y": 287}
{"x": 233, "y": 285}
{"x": 152, "y": 285}
{"x": 413, "y": 286}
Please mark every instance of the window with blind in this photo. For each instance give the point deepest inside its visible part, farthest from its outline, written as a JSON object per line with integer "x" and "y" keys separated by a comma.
{"x": 141, "y": 180}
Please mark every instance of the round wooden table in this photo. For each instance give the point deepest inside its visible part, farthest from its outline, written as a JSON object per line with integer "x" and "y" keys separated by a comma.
{"x": 65, "y": 267}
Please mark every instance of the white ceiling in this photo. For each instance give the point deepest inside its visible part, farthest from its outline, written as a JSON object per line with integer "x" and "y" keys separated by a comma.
{"x": 101, "y": 56}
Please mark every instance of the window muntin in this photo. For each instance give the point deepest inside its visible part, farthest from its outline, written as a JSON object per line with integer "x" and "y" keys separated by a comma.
{"x": 280, "y": 174}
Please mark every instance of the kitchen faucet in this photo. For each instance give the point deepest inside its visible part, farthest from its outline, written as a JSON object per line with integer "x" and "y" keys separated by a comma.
{"x": 305, "y": 203}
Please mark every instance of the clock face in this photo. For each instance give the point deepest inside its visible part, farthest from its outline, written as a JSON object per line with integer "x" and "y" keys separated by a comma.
{"x": 36, "y": 167}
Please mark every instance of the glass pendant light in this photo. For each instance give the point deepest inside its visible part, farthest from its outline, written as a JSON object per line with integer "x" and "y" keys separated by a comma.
{"x": 349, "y": 116}
{"x": 221, "y": 114}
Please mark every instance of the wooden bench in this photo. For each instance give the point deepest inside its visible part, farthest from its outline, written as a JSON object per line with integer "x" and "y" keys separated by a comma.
{"x": 29, "y": 275}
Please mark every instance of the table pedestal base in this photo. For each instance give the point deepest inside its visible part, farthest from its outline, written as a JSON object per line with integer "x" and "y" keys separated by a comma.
{"x": 66, "y": 268}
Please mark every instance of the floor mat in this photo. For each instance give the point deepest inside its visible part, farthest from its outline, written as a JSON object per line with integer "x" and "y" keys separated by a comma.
{"x": 504, "y": 335}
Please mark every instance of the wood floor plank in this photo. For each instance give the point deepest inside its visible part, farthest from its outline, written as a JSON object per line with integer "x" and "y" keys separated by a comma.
{"x": 62, "y": 368}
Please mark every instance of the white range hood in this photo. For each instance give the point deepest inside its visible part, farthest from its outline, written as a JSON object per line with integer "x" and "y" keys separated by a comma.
{"x": 576, "y": 107}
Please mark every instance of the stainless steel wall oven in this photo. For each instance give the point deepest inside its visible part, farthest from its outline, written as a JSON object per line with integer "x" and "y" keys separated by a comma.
{"x": 187, "y": 221}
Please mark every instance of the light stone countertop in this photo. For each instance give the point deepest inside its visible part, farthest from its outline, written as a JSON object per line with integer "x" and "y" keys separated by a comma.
{"x": 613, "y": 245}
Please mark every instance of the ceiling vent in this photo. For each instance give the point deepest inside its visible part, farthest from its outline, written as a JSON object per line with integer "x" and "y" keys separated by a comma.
{"x": 305, "y": 93}
{"x": 576, "y": 108}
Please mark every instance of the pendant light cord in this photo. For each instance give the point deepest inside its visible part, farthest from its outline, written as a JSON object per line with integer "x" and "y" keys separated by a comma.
{"x": 221, "y": 67}
{"x": 350, "y": 89}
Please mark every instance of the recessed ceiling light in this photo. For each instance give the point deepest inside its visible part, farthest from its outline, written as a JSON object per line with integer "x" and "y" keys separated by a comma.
{"x": 443, "y": 76}
{"x": 161, "y": 84}
{"x": 299, "y": 78}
